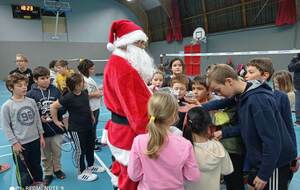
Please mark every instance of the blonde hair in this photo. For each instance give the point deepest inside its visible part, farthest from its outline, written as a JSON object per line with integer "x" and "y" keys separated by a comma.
{"x": 62, "y": 63}
{"x": 22, "y": 56}
{"x": 181, "y": 78}
{"x": 163, "y": 110}
{"x": 158, "y": 72}
{"x": 284, "y": 81}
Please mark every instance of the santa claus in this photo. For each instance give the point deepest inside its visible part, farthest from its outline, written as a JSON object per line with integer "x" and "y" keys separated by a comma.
{"x": 126, "y": 93}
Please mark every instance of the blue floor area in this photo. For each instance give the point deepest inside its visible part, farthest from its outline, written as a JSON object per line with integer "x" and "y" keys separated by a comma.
{"x": 8, "y": 179}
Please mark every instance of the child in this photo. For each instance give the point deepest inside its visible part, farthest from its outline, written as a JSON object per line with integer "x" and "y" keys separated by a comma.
{"x": 294, "y": 66}
{"x": 221, "y": 119}
{"x": 200, "y": 89}
{"x": 62, "y": 73}
{"x": 159, "y": 159}
{"x": 179, "y": 85}
{"x": 157, "y": 81}
{"x": 87, "y": 69}
{"x": 269, "y": 146}
{"x": 45, "y": 94}
{"x": 81, "y": 122}
{"x": 212, "y": 158}
{"x": 262, "y": 69}
{"x": 22, "y": 64}
{"x": 52, "y": 72}
{"x": 283, "y": 81}
{"x": 177, "y": 68}
{"x": 22, "y": 126}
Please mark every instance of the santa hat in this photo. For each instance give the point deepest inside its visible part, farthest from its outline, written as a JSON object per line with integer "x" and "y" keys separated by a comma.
{"x": 124, "y": 32}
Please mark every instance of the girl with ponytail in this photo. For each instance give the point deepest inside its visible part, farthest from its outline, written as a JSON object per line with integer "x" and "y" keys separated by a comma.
{"x": 160, "y": 159}
{"x": 212, "y": 158}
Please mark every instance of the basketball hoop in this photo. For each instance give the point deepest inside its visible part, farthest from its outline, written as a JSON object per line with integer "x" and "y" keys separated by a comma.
{"x": 199, "y": 35}
{"x": 57, "y": 7}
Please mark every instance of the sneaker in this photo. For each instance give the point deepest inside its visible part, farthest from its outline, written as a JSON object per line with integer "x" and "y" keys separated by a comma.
{"x": 48, "y": 179}
{"x": 100, "y": 144}
{"x": 96, "y": 169}
{"x": 97, "y": 142}
{"x": 60, "y": 174}
{"x": 87, "y": 176}
{"x": 97, "y": 148}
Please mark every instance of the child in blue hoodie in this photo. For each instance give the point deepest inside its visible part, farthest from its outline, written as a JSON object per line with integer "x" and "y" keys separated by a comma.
{"x": 44, "y": 95}
{"x": 269, "y": 146}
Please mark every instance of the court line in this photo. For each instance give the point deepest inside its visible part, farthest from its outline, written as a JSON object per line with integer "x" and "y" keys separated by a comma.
{"x": 111, "y": 175}
{"x": 4, "y": 155}
{"x": 8, "y": 145}
{"x": 4, "y": 146}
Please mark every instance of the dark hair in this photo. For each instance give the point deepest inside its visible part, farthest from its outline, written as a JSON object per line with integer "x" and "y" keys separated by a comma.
{"x": 177, "y": 59}
{"x": 40, "y": 71}
{"x": 198, "y": 122}
{"x": 13, "y": 79}
{"x": 73, "y": 80}
{"x": 84, "y": 67}
{"x": 263, "y": 64}
{"x": 52, "y": 64}
{"x": 200, "y": 80}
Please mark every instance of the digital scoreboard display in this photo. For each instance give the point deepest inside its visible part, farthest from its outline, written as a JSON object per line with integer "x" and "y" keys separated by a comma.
{"x": 26, "y": 12}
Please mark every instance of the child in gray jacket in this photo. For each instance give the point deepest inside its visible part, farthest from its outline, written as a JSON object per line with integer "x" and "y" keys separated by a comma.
{"x": 22, "y": 126}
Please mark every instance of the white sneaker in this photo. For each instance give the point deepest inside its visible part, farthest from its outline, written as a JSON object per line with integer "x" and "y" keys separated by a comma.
{"x": 96, "y": 169}
{"x": 87, "y": 176}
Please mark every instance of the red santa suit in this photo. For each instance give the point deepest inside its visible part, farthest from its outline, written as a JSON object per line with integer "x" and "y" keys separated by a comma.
{"x": 126, "y": 95}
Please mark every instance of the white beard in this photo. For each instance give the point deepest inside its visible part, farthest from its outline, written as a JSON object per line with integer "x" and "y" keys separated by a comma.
{"x": 141, "y": 61}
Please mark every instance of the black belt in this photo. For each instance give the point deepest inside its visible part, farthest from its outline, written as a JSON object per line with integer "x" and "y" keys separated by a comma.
{"x": 119, "y": 119}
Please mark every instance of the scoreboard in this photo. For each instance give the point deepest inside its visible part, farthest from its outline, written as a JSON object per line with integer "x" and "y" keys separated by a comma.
{"x": 26, "y": 12}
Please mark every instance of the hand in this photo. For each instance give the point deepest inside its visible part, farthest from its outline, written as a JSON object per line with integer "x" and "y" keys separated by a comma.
{"x": 59, "y": 124}
{"x": 43, "y": 119}
{"x": 184, "y": 108}
{"x": 192, "y": 101}
{"x": 93, "y": 119}
{"x": 42, "y": 141}
{"x": 190, "y": 106}
{"x": 259, "y": 184}
{"x": 218, "y": 135}
{"x": 294, "y": 168}
{"x": 17, "y": 148}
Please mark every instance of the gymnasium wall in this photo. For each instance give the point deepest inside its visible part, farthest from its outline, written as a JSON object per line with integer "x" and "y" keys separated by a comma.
{"x": 88, "y": 25}
{"x": 260, "y": 38}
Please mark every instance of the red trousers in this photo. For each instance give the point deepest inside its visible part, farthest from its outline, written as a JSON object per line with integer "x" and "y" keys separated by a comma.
{"x": 124, "y": 182}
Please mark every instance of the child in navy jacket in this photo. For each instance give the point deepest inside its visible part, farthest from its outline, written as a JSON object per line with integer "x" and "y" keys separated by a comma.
{"x": 269, "y": 146}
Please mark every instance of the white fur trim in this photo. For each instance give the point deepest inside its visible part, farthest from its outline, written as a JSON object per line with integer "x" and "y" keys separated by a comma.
{"x": 119, "y": 52}
{"x": 130, "y": 38}
{"x": 114, "y": 180}
{"x": 121, "y": 155}
{"x": 110, "y": 47}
